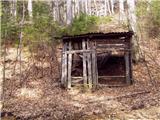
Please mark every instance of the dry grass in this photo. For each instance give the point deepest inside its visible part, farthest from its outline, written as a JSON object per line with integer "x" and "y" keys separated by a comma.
{"x": 41, "y": 97}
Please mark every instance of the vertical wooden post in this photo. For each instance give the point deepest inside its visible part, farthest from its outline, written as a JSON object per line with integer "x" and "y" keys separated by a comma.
{"x": 63, "y": 64}
{"x": 96, "y": 63}
{"x": 130, "y": 61}
{"x": 69, "y": 66}
{"x": 94, "y": 67}
{"x": 130, "y": 67}
{"x": 127, "y": 68}
{"x": 84, "y": 63}
{"x": 89, "y": 67}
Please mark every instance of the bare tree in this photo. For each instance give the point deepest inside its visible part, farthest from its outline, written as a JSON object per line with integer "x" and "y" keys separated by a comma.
{"x": 86, "y": 6}
{"x": 105, "y": 7}
{"x": 30, "y": 8}
{"x": 57, "y": 15}
{"x": 14, "y": 8}
{"x": 108, "y": 7}
{"x": 149, "y": 5}
{"x": 121, "y": 11}
{"x": 20, "y": 42}
{"x": 112, "y": 6}
{"x": 95, "y": 5}
{"x": 77, "y": 7}
{"x": 132, "y": 15}
{"x": 133, "y": 26}
{"x": 69, "y": 12}
{"x": 89, "y": 7}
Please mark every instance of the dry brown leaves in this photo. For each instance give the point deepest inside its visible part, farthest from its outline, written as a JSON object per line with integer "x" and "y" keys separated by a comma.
{"x": 41, "y": 96}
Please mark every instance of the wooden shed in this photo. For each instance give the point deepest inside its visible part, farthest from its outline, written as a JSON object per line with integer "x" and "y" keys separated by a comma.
{"x": 91, "y": 59}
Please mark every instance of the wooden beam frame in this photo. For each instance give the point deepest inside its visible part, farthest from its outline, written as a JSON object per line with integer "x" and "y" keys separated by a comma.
{"x": 90, "y": 71}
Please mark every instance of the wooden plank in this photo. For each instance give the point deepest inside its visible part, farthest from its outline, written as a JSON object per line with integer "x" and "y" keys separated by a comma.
{"x": 77, "y": 77}
{"x": 105, "y": 85}
{"x": 65, "y": 66}
{"x": 130, "y": 68}
{"x": 111, "y": 76}
{"x": 89, "y": 67}
{"x": 130, "y": 61}
{"x": 84, "y": 62}
{"x": 94, "y": 69}
{"x": 78, "y": 51}
{"x": 128, "y": 81}
{"x": 112, "y": 49}
{"x": 95, "y": 62}
{"x": 77, "y": 81}
{"x": 112, "y": 45}
{"x": 89, "y": 51}
{"x": 62, "y": 65}
{"x": 69, "y": 66}
{"x": 63, "y": 74}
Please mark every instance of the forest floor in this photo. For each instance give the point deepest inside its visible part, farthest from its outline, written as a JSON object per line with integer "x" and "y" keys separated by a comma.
{"x": 41, "y": 97}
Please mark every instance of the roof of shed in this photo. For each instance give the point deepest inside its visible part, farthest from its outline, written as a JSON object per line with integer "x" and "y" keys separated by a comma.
{"x": 111, "y": 35}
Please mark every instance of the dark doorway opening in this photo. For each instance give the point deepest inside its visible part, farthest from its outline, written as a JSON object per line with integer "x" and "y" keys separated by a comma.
{"x": 111, "y": 70}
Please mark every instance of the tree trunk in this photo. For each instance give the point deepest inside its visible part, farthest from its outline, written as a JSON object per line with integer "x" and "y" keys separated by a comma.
{"x": 149, "y": 5}
{"x": 131, "y": 14}
{"x": 83, "y": 6}
{"x": 57, "y": 17}
{"x": 14, "y": 8}
{"x": 53, "y": 9}
{"x": 112, "y": 6}
{"x": 89, "y": 7}
{"x": 73, "y": 8}
{"x": 121, "y": 11}
{"x": 69, "y": 12}
{"x": 30, "y": 8}
{"x": 77, "y": 7}
{"x": 105, "y": 7}
{"x": 108, "y": 7}
{"x": 86, "y": 6}
{"x": 96, "y": 7}
{"x": 133, "y": 27}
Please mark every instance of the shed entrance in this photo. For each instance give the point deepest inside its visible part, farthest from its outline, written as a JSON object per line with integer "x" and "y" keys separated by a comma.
{"x": 97, "y": 59}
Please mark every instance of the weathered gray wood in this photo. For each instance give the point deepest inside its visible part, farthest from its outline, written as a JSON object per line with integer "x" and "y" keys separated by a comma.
{"x": 112, "y": 45}
{"x": 89, "y": 67}
{"x": 95, "y": 61}
{"x": 89, "y": 51}
{"x": 130, "y": 67}
{"x": 77, "y": 77}
{"x": 128, "y": 81}
{"x": 112, "y": 48}
{"x": 84, "y": 62}
{"x": 96, "y": 68}
{"x": 69, "y": 66}
{"x": 105, "y": 85}
{"x": 78, "y": 51}
{"x": 130, "y": 61}
{"x": 64, "y": 60}
{"x": 77, "y": 80}
{"x": 65, "y": 66}
{"x": 94, "y": 72}
{"x": 62, "y": 66}
{"x": 111, "y": 76}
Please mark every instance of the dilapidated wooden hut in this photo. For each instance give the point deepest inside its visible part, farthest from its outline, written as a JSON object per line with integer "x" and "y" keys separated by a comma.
{"x": 96, "y": 58}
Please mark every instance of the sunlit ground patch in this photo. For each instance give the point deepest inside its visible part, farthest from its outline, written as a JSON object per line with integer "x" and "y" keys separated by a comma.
{"x": 34, "y": 83}
{"x": 30, "y": 93}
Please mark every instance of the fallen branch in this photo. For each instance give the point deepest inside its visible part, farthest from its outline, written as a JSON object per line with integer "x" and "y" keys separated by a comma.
{"x": 120, "y": 97}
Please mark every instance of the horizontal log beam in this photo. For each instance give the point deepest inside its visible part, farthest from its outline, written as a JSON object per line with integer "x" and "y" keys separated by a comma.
{"x": 111, "y": 76}
{"x": 78, "y": 51}
{"x": 77, "y": 81}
